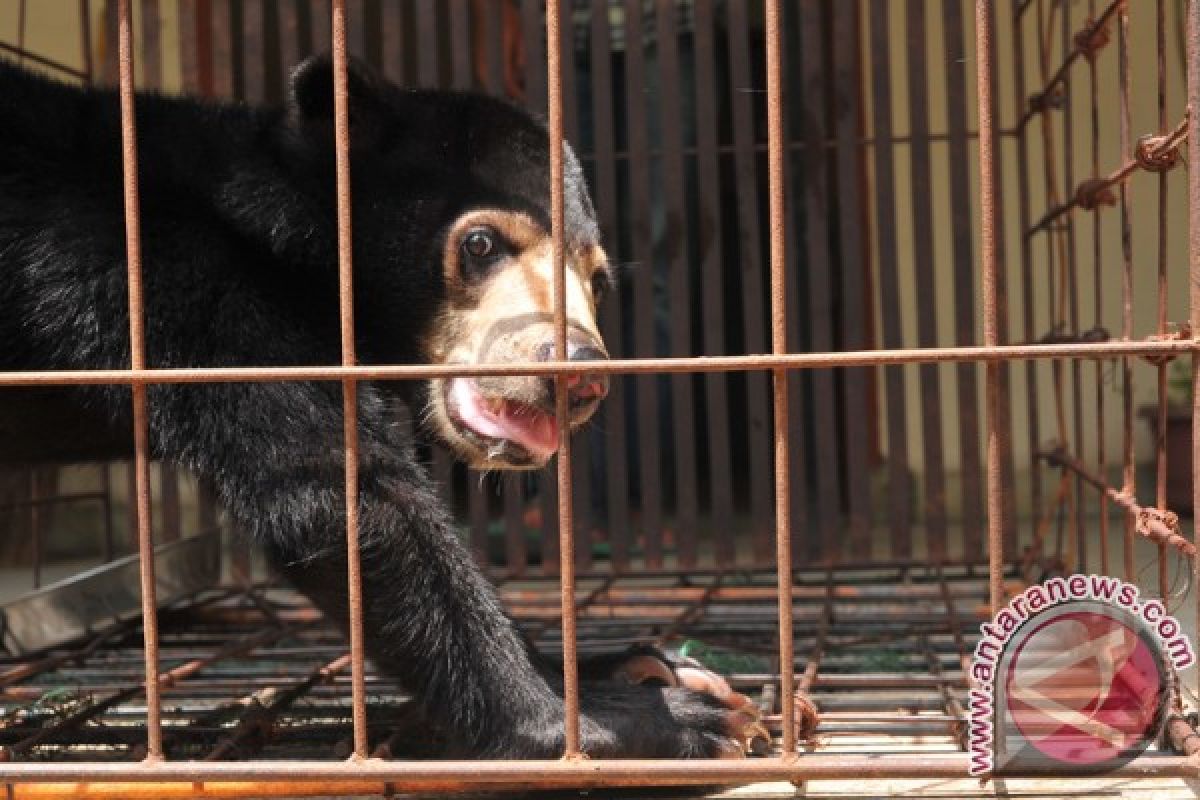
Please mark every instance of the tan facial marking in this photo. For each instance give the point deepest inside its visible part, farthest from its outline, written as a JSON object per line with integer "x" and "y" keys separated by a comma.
{"x": 503, "y": 312}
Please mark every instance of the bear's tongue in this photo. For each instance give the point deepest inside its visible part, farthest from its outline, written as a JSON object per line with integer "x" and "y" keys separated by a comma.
{"x": 532, "y": 429}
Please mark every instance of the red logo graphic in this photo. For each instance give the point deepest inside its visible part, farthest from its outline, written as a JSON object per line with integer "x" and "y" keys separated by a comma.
{"x": 1083, "y": 688}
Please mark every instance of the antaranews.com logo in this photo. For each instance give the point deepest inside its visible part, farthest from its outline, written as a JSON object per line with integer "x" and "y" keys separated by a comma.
{"x": 1071, "y": 677}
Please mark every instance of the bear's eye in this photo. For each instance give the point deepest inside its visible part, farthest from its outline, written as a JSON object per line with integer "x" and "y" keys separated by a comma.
{"x": 601, "y": 284}
{"x": 480, "y": 248}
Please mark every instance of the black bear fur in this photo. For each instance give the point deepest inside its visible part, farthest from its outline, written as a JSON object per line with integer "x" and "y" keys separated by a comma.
{"x": 239, "y": 241}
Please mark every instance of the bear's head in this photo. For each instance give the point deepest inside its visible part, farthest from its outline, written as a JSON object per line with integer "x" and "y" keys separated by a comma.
{"x": 452, "y": 254}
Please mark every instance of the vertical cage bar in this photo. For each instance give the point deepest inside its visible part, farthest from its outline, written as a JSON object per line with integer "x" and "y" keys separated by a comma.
{"x": 987, "y": 252}
{"x": 566, "y": 522}
{"x": 1004, "y": 407}
{"x": 1028, "y": 316}
{"x": 1193, "y": 153}
{"x": 803, "y": 534}
{"x": 1098, "y": 307}
{"x": 341, "y": 121}
{"x": 1128, "y": 486}
{"x": 1071, "y": 288}
{"x": 547, "y": 481}
{"x": 137, "y": 353}
{"x": 1160, "y": 439}
{"x": 779, "y": 377}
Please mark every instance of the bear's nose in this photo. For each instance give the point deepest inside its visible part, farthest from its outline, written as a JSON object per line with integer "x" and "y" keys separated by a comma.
{"x": 582, "y": 389}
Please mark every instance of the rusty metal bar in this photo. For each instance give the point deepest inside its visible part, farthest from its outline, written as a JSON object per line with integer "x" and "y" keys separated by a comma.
{"x": 952, "y": 705}
{"x": 778, "y": 255}
{"x": 1153, "y": 154}
{"x": 1028, "y": 310}
{"x": 591, "y": 598}
{"x": 1098, "y": 305}
{"x": 1126, "y": 122}
{"x": 808, "y": 715}
{"x": 566, "y": 521}
{"x": 169, "y": 678}
{"x": 689, "y": 615}
{"x": 1071, "y": 283}
{"x": 137, "y": 350}
{"x": 22, "y": 52}
{"x": 452, "y": 775}
{"x": 987, "y": 253}
{"x": 260, "y": 714}
{"x": 628, "y": 366}
{"x": 1085, "y": 42}
{"x": 1157, "y": 525}
{"x": 1160, "y": 439}
{"x": 341, "y": 120}
{"x": 1193, "y": 102}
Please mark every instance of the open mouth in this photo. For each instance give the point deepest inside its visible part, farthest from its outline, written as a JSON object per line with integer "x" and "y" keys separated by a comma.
{"x": 520, "y": 434}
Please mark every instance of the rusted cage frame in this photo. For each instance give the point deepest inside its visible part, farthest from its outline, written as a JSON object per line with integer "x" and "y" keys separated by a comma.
{"x": 362, "y": 774}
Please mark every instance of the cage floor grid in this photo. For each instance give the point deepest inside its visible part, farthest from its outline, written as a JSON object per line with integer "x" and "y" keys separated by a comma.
{"x": 259, "y": 674}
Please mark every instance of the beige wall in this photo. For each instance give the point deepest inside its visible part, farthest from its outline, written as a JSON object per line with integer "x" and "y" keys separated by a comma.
{"x": 52, "y": 29}
{"x": 1144, "y": 190}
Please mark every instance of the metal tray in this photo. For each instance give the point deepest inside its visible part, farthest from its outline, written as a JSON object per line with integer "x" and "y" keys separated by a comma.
{"x": 98, "y": 598}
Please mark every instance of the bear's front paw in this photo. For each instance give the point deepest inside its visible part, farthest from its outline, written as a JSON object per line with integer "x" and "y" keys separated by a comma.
{"x": 667, "y": 722}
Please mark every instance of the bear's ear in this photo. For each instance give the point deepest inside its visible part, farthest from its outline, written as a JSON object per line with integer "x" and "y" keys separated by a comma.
{"x": 311, "y": 92}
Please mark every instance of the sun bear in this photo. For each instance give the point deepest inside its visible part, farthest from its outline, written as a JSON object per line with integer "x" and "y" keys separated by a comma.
{"x": 452, "y": 265}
